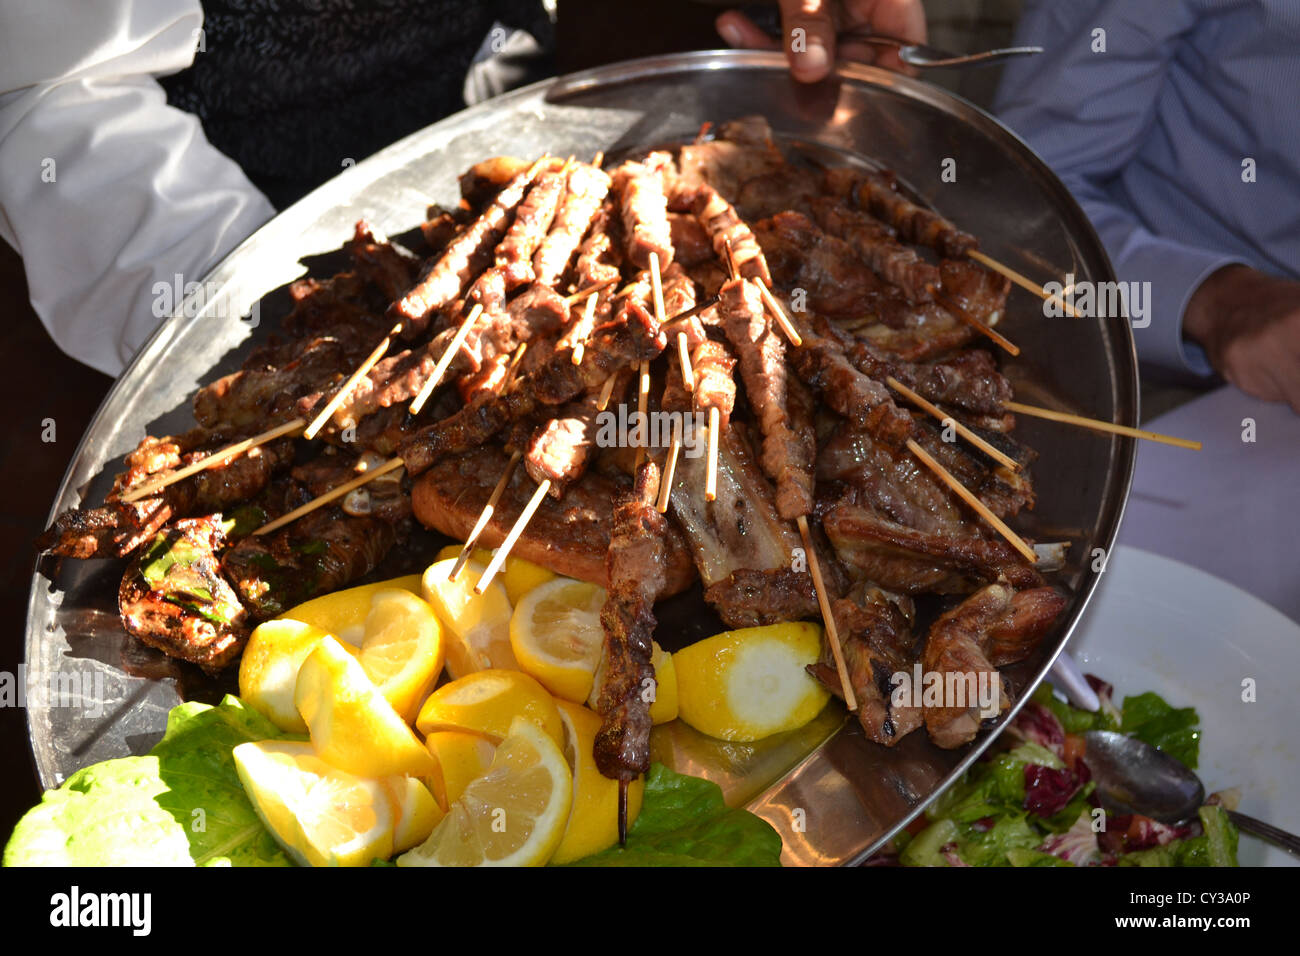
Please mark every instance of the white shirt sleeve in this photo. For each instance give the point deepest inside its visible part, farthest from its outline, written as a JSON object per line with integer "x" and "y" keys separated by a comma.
{"x": 104, "y": 188}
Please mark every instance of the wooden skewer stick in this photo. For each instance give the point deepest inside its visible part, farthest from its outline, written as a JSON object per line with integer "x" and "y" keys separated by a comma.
{"x": 606, "y": 391}
{"x": 962, "y": 430}
{"x": 208, "y": 461}
{"x": 515, "y": 531}
{"x": 333, "y": 493}
{"x": 514, "y": 366}
{"x": 778, "y": 313}
{"x": 661, "y": 316}
{"x": 987, "y": 331}
{"x": 484, "y": 518}
{"x": 1101, "y": 426}
{"x": 670, "y": 468}
{"x": 642, "y": 404}
{"x": 998, "y": 524}
{"x": 1023, "y": 281}
{"x": 711, "y": 476}
{"x": 319, "y": 421}
{"x": 832, "y": 633}
{"x": 583, "y": 330}
{"x": 590, "y": 290}
{"x": 448, "y": 354}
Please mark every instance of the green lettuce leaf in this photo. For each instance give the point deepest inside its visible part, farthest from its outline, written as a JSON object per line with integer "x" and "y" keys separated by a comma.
{"x": 685, "y": 822}
{"x": 182, "y": 805}
{"x": 1170, "y": 729}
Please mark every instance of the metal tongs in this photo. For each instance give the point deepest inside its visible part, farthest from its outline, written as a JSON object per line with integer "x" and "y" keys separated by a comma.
{"x": 921, "y": 56}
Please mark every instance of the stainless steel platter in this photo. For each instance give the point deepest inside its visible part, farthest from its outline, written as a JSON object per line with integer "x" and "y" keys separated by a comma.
{"x": 92, "y": 694}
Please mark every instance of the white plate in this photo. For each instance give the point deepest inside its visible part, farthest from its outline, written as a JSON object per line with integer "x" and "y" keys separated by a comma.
{"x": 1157, "y": 624}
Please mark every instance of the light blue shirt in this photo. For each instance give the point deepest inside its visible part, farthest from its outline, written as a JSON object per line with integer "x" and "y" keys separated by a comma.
{"x": 1158, "y": 135}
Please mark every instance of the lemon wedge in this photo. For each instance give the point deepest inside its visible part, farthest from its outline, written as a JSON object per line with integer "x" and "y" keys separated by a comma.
{"x": 556, "y": 636}
{"x": 477, "y": 625}
{"x": 519, "y": 575}
{"x": 321, "y": 815}
{"x": 268, "y": 671}
{"x": 513, "y": 815}
{"x": 343, "y": 613}
{"x": 593, "y": 821}
{"x": 462, "y": 758}
{"x": 487, "y": 703}
{"x": 664, "y": 707}
{"x": 402, "y": 649}
{"x": 749, "y": 684}
{"x": 417, "y": 813}
{"x": 353, "y": 727}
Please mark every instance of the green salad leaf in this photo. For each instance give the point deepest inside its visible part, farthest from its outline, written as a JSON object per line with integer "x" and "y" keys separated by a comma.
{"x": 1173, "y": 730}
{"x": 981, "y": 820}
{"x": 685, "y": 822}
{"x": 181, "y": 805}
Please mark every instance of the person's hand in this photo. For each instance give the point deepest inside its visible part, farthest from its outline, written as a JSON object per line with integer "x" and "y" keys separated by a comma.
{"x": 821, "y": 20}
{"x": 1248, "y": 322}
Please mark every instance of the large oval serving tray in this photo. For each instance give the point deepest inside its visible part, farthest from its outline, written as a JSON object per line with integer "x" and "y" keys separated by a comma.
{"x": 93, "y": 694}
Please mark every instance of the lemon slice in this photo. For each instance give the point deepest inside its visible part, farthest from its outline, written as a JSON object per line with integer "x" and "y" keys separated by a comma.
{"x": 417, "y": 813}
{"x": 478, "y": 625}
{"x": 556, "y": 636}
{"x": 519, "y": 575}
{"x": 664, "y": 707}
{"x": 352, "y": 726}
{"x": 402, "y": 649}
{"x": 322, "y": 816}
{"x": 268, "y": 671}
{"x": 487, "y": 703}
{"x": 513, "y": 815}
{"x": 343, "y": 613}
{"x": 593, "y": 821}
{"x": 749, "y": 684}
{"x": 462, "y": 758}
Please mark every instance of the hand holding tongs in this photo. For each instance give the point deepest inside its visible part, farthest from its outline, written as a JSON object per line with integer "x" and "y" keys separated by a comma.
{"x": 921, "y": 56}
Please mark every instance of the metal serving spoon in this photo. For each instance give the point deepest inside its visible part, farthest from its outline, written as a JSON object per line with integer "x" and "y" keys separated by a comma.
{"x": 1134, "y": 777}
{"x": 921, "y": 56}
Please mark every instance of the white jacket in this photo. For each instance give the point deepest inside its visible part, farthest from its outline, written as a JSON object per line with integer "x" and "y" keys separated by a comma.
{"x": 104, "y": 188}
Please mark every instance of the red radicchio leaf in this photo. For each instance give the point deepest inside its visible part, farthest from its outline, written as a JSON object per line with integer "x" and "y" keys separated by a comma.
{"x": 1039, "y": 725}
{"x": 1047, "y": 791}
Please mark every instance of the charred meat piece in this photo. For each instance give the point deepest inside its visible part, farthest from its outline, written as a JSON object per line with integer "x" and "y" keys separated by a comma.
{"x": 743, "y": 151}
{"x": 514, "y": 256}
{"x": 822, "y": 364}
{"x": 570, "y": 536}
{"x": 482, "y": 181}
{"x": 637, "y": 578}
{"x": 871, "y": 240}
{"x": 117, "y": 528}
{"x": 391, "y": 268}
{"x": 787, "y": 457}
{"x": 960, "y": 647}
{"x": 644, "y": 208}
{"x": 740, "y": 529}
{"x": 877, "y": 642}
{"x": 877, "y": 193}
{"x": 752, "y": 597}
{"x": 464, "y": 258}
{"x": 905, "y": 559}
{"x": 1027, "y": 621}
{"x": 729, "y": 232}
{"x": 174, "y": 598}
{"x": 586, "y": 189}
{"x": 320, "y": 552}
{"x": 630, "y": 340}
{"x": 257, "y": 399}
